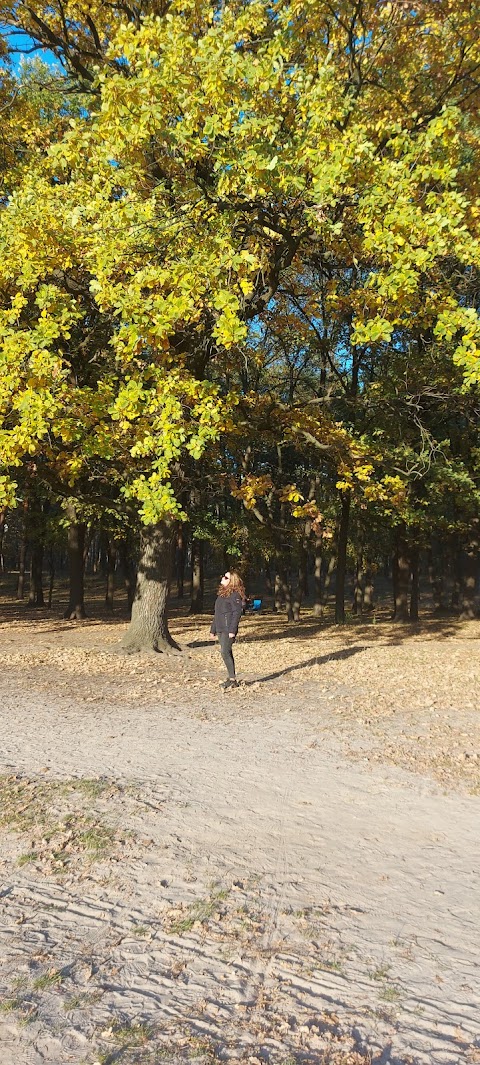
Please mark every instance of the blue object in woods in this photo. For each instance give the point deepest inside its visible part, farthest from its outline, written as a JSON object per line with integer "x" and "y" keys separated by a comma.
{"x": 253, "y": 604}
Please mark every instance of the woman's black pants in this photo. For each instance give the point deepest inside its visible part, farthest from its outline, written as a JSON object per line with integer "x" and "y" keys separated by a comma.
{"x": 226, "y": 644}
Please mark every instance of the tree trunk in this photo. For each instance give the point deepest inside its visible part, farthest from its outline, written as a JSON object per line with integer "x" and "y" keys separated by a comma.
{"x": 180, "y": 559}
{"x": 414, "y": 592}
{"x": 35, "y": 532}
{"x": 287, "y": 595}
{"x": 111, "y": 558}
{"x": 401, "y": 568}
{"x": 283, "y": 588}
{"x": 437, "y": 571}
{"x": 128, "y": 568}
{"x": 456, "y": 567}
{"x": 148, "y": 629}
{"x": 196, "y": 604}
{"x": 303, "y": 571}
{"x": 297, "y": 603}
{"x": 76, "y": 551}
{"x": 368, "y": 603}
{"x": 359, "y": 587}
{"x": 3, "y": 515}
{"x": 36, "y": 597}
{"x": 277, "y": 592}
{"x": 317, "y": 578}
{"x": 22, "y": 554}
{"x": 268, "y": 578}
{"x": 342, "y": 560}
{"x": 470, "y": 559}
{"x": 327, "y": 580}
{"x": 302, "y": 583}
{"x": 51, "y": 576}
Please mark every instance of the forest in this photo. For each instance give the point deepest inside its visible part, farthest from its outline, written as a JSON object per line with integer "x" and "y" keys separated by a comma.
{"x": 239, "y": 292}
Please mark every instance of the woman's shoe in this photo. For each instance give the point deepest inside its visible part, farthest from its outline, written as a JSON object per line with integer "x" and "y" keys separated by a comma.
{"x": 230, "y": 683}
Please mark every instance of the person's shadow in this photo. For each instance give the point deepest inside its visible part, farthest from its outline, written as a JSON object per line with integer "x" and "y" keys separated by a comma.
{"x": 319, "y": 660}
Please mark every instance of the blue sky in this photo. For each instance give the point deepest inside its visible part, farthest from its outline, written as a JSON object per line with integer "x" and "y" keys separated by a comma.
{"x": 24, "y": 42}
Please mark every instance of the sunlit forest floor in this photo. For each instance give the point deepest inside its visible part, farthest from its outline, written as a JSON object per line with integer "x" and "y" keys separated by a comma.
{"x": 286, "y": 873}
{"x": 403, "y": 694}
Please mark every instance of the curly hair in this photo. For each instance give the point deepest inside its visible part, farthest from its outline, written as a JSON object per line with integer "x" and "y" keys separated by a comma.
{"x": 235, "y": 584}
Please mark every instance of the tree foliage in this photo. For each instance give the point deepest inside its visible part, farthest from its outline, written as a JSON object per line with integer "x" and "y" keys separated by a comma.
{"x": 231, "y": 227}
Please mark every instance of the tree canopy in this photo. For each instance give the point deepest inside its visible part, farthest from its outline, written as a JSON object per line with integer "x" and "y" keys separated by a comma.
{"x": 200, "y": 195}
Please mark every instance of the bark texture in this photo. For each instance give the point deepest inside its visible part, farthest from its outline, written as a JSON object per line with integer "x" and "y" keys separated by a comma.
{"x": 470, "y": 570}
{"x": 76, "y": 559}
{"x": 196, "y": 604}
{"x": 36, "y": 597}
{"x": 148, "y": 629}
{"x": 342, "y": 560}
{"x": 180, "y": 560}
{"x": 401, "y": 580}
{"x": 111, "y": 561}
{"x": 317, "y": 578}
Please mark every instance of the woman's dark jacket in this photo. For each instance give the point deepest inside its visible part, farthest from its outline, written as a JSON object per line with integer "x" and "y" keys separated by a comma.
{"x": 228, "y": 611}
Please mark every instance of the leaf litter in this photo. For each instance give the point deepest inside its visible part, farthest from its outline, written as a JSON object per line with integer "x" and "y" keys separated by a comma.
{"x": 383, "y": 697}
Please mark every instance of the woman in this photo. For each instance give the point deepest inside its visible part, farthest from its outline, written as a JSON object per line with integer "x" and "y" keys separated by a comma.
{"x": 228, "y": 611}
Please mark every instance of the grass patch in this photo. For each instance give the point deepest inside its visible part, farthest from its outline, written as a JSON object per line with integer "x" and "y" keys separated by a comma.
{"x": 97, "y": 839}
{"x": 49, "y": 979}
{"x": 140, "y": 930}
{"x": 127, "y": 1037}
{"x": 9, "y": 1005}
{"x": 91, "y": 789}
{"x": 60, "y": 819}
{"x": 198, "y": 913}
{"x": 82, "y": 1001}
{"x": 26, "y": 859}
{"x": 390, "y": 993}
{"x": 380, "y": 974}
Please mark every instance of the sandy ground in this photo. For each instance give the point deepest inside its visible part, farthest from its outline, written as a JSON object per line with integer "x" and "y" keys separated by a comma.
{"x": 287, "y": 873}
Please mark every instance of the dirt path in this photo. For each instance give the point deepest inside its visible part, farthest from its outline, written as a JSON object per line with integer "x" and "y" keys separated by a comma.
{"x": 269, "y": 893}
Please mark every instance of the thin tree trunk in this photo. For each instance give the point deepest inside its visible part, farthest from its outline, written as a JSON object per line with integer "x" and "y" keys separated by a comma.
{"x": 22, "y": 556}
{"x": 297, "y": 602}
{"x": 111, "y": 558}
{"x": 51, "y": 576}
{"x": 278, "y": 600}
{"x": 437, "y": 576}
{"x": 148, "y": 629}
{"x": 342, "y": 560}
{"x": 287, "y": 594}
{"x": 302, "y": 582}
{"x": 196, "y": 603}
{"x": 317, "y": 578}
{"x": 36, "y": 597}
{"x": 456, "y": 567}
{"x": 76, "y": 551}
{"x": 328, "y": 579}
{"x": 268, "y": 578}
{"x": 128, "y": 568}
{"x": 395, "y": 580}
{"x": 402, "y": 566}
{"x": 368, "y": 595}
{"x": 3, "y": 516}
{"x": 283, "y": 589}
{"x": 180, "y": 559}
{"x": 414, "y": 591}
{"x": 35, "y": 532}
{"x": 303, "y": 571}
{"x": 470, "y": 559}
{"x": 359, "y": 586}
